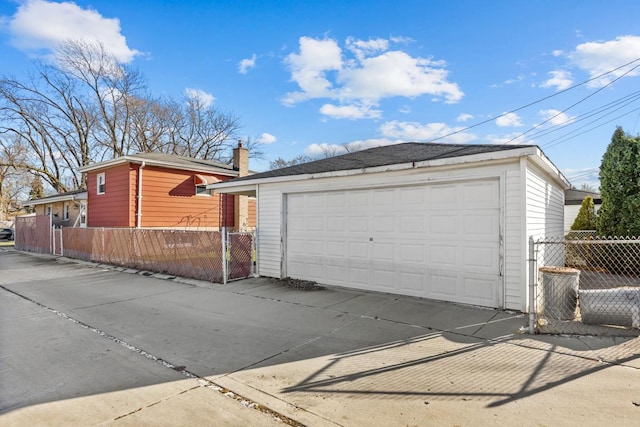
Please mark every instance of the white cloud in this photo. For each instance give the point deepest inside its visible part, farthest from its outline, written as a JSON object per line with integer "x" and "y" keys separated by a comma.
{"x": 509, "y": 120}
{"x": 39, "y": 26}
{"x": 560, "y": 80}
{"x": 418, "y": 132}
{"x": 245, "y": 64}
{"x": 205, "y": 98}
{"x": 508, "y": 139}
{"x": 464, "y": 117}
{"x": 325, "y": 150}
{"x": 362, "y": 48}
{"x": 600, "y": 57}
{"x": 309, "y": 69}
{"x": 322, "y": 69}
{"x": 557, "y": 53}
{"x": 350, "y": 111}
{"x": 267, "y": 138}
{"x": 555, "y": 117}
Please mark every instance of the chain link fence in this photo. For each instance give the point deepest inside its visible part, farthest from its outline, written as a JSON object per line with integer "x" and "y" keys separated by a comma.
{"x": 585, "y": 284}
{"x": 202, "y": 255}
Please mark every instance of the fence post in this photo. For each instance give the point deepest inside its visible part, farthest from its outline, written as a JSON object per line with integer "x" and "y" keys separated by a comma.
{"x": 51, "y": 236}
{"x": 61, "y": 241}
{"x": 254, "y": 254}
{"x": 223, "y": 239}
{"x": 532, "y": 286}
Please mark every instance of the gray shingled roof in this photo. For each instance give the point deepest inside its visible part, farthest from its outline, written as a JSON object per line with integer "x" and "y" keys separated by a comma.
{"x": 573, "y": 196}
{"x": 384, "y": 156}
{"x": 179, "y": 160}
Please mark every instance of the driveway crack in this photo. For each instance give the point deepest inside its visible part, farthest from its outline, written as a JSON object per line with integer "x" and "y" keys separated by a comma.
{"x": 202, "y": 381}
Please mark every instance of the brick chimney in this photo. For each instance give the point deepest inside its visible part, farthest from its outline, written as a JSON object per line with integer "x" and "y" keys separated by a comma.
{"x": 241, "y": 203}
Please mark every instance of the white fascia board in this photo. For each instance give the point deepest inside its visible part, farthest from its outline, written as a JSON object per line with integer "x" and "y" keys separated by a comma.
{"x": 56, "y": 199}
{"x": 547, "y": 165}
{"x": 126, "y": 159}
{"x": 242, "y": 190}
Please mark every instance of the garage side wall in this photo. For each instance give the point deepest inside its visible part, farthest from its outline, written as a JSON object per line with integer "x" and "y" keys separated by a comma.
{"x": 544, "y": 212}
{"x": 272, "y": 201}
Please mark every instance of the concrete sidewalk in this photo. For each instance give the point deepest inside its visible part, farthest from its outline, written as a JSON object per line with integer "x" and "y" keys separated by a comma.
{"x": 255, "y": 352}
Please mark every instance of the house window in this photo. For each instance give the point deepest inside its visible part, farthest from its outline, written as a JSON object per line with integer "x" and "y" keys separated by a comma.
{"x": 65, "y": 212}
{"x": 101, "y": 183}
{"x": 47, "y": 210}
{"x": 203, "y": 191}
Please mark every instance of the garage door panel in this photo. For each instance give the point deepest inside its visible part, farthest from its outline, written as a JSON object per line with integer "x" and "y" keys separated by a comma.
{"x": 479, "y": 224}
{"x": 443, "y": 285}
{"x": 411, "y": 223}
{"x": 412, "y": 253}
{"x": 382, "y": 198}
{"x": 443, "y": 256}
{"x": 480, "y": 258}
{"x": 437, "y": 241}
{"x": 384, "y": 252}
{"x": 336, "y": 248}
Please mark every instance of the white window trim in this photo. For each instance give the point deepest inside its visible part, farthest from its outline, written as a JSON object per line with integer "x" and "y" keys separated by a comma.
{"x": 207, "y": 194}
{"x": 101, "y": 177}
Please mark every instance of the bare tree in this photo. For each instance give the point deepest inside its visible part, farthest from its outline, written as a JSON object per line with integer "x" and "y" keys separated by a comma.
{"x": 89, "y": 107}
{"x": 13, "y": 182}
{"x": 280, "y": 163}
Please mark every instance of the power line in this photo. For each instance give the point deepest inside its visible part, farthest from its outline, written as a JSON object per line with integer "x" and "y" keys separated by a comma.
{"x": 536, "y": 102}
{"x": 574, "y": 104}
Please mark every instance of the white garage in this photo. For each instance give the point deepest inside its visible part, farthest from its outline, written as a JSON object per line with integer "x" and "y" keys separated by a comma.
{"x": 446, "y": 222}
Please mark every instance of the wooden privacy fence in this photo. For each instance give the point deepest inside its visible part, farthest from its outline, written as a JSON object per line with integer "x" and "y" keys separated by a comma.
{"x": 202, "y": 255}
{"x": 34, "y": 234}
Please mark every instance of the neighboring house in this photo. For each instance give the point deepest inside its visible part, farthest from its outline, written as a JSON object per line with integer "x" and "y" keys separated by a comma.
{"x": 66, "y": 209}
{"x": 441, "y": 221}
{"x": 155, "y": 190}
{"x": 573, "y": 200}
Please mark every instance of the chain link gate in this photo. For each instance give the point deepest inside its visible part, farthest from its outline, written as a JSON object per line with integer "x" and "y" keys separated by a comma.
{"x": 240, "y": 255}
{"x": 586, "y": 285}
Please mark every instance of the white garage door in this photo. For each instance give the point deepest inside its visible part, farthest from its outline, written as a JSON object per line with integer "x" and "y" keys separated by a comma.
{"x": 439, "y": 241}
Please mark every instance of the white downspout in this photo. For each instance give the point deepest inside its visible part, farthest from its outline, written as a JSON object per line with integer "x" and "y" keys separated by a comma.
{"x": 139, "y": 197}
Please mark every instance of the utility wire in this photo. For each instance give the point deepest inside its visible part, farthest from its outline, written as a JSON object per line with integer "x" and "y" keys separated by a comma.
{"x": 535, "y": 102}
{"x": 573, "y": 105}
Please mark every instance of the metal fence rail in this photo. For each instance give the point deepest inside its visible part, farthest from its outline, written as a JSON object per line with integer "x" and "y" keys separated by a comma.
{"x": 585, "y": 284}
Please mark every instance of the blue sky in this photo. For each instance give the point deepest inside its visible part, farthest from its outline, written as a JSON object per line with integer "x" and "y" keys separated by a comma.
{"x": 306, "y": 75}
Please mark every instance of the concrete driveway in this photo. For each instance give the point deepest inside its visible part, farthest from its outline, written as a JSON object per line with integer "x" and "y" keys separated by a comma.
{"x": 82, "y": 344}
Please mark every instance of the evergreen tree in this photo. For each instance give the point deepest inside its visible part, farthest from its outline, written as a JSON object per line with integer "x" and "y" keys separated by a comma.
{"x": 37, "y": 189}
{"x": 586, "y": 219}
{"x": 620, "y": 187}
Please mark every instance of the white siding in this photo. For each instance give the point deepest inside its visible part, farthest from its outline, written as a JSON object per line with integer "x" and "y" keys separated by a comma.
{"x": 544, "y": 216}
{"x": 545, "y": 204}
{"x": 269, "y": 219}
{"x": 514, "y": 191}
{"x": 513, "y": 237}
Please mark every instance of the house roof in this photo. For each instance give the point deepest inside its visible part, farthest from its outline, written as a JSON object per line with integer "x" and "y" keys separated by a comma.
{"x": 410, "y": 152}
{"x": 170, "y": 161}
{"x": 573, "y": 196}
{"x": 410, "y": 155}
{"x": 61, "y": 197}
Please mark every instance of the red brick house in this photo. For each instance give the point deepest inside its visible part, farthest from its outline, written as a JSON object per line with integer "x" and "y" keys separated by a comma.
{"x": 156, "y": 190}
